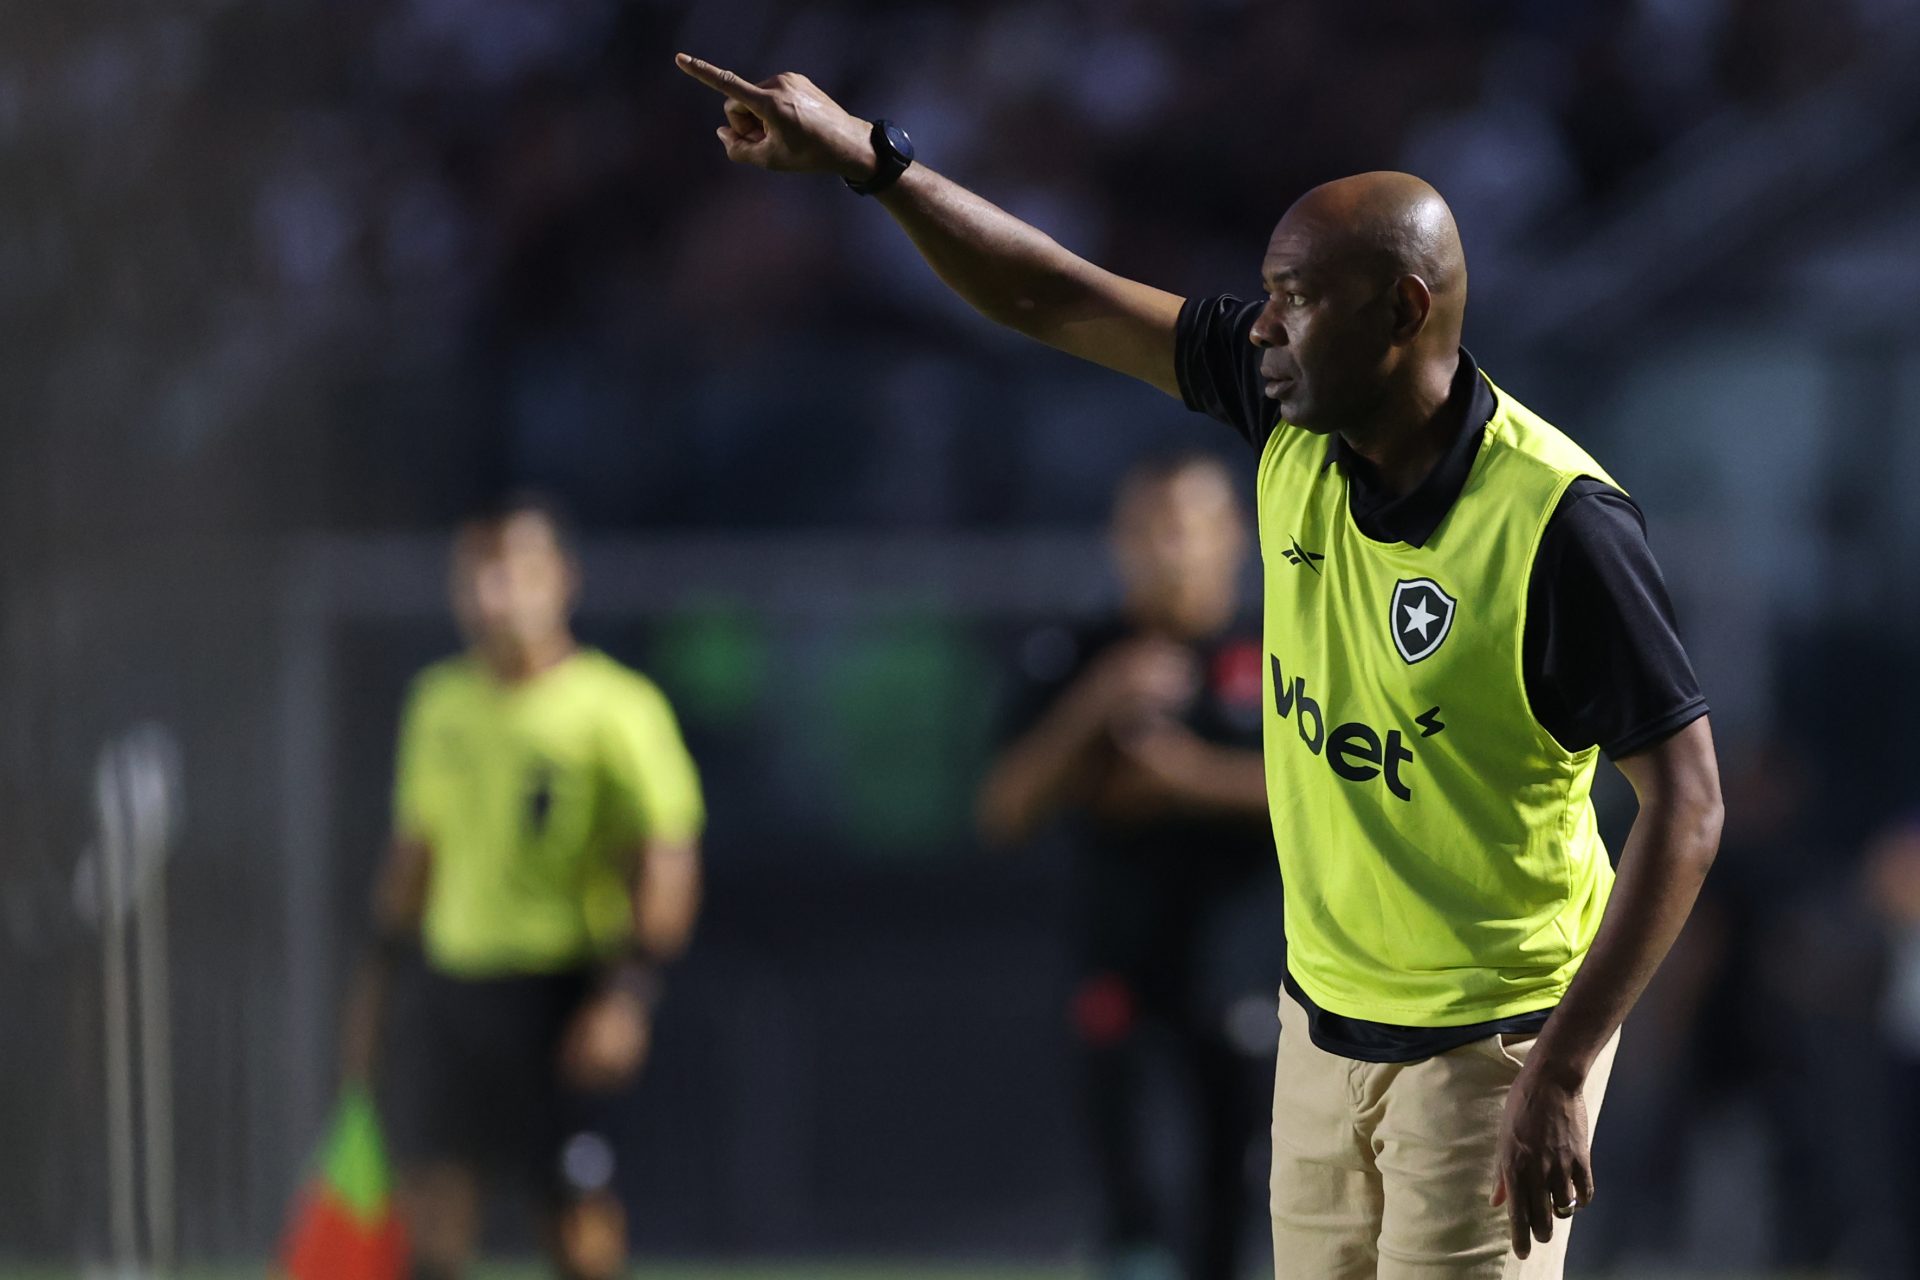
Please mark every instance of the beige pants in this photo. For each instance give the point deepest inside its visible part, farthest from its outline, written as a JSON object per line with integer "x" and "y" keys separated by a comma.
{"x": 1386, "y": 1169}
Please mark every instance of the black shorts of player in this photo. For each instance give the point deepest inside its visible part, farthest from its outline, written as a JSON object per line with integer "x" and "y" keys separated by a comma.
{"x": 474, "y": 1080}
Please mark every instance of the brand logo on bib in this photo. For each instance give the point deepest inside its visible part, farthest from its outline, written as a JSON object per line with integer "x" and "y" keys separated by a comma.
{"x": 1356, "y": 752}
{"x": 1297, "y": 554}
{"x": 1419, "y": 617}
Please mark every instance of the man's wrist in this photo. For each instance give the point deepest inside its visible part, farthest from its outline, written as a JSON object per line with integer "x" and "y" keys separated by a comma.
{"x": 892, "y": 152}
{"x": 860, "y": 163}
{"x": 635, "y": 973}
{"x": 1558, "y": 1068}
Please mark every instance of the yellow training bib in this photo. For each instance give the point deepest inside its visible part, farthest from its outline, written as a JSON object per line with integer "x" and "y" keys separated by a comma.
{"x": 1441, "y": 860}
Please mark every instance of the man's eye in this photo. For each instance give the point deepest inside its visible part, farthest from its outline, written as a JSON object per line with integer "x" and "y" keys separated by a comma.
{"x": 1296, "y": 299}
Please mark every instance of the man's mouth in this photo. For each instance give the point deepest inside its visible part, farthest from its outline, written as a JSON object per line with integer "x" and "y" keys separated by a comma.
{"x": 1277, "y": 387}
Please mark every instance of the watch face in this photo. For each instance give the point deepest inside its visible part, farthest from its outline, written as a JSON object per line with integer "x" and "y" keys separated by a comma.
{"x": 897, "y": 139}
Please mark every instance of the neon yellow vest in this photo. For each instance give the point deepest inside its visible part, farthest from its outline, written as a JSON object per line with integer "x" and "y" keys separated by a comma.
{"x": 1441, "y": 861}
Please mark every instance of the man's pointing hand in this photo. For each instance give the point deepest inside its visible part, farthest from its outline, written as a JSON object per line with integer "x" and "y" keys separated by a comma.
{"x": 786, "y": 124}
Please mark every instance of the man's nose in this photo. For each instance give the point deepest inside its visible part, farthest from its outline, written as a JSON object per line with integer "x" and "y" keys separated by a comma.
{"x": 1266, "y": 332}
{"x": 491, "y": 592}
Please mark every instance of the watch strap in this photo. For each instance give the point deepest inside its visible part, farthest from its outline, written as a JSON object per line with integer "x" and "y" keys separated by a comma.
{"x": 889, "y": 164}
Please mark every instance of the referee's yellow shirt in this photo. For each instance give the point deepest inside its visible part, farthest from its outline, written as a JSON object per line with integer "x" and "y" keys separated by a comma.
{"x": 533, "y": 799}
{"x": 1441, "y": 861}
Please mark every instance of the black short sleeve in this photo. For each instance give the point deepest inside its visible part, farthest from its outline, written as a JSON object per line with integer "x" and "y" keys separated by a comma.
{"x": 1603, "y": 659}
{"x": 1219, "y": 367}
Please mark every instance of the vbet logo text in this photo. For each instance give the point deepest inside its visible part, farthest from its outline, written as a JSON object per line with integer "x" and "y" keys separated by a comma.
{"x": 1356, "y": 752}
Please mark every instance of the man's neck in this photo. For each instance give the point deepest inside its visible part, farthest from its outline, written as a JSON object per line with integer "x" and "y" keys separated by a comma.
{"x": 519, "y": 663}
{"x": 1401, "y": 443}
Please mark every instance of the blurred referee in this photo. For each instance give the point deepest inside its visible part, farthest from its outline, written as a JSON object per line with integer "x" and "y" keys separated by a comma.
{"x": 1145, "y": 727}
{"x": 1461, "y": 613}
{"x": 545, "y": 859}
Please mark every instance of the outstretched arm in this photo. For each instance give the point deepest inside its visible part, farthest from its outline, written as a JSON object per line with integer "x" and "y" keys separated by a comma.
{"x": 1010, "y": 272}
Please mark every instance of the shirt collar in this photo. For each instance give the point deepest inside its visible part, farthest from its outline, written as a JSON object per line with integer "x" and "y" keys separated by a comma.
{"x": 1412, "y": 517}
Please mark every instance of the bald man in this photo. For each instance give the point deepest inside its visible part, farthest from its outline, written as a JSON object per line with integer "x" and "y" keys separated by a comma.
{"x": 1461, "y": 615}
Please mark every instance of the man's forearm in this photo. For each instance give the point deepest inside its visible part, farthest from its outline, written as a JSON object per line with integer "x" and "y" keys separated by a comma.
{"x": 1017, "y": 275}
{"x": 666, "y": 905}
{"x": 1171, "y": 767}
{"x": 666, "y": 900}
{"x": 399, "y": 904}
{"x": 1030, "y": 776}
{"x": 1009, "y": 271}
{"x": 1662, "y": 868}
{"x": 1234, "y": 781}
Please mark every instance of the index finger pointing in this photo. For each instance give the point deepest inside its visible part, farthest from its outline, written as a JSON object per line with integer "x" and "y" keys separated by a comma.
{"x": 719, "y": 79}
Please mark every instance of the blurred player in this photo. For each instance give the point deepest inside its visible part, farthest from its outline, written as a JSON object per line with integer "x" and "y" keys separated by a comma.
{"x": 545, "y": 859}
{"x": 1147, "y": 726}
{"x": 1461, "y": 615}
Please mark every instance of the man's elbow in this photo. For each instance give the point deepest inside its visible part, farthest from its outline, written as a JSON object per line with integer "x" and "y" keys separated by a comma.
{"x": 1699, "y": 814}
{"x": 1025, "y": 315}
{"x": 1707, "y": 824}
{"x": 1678, "y": 783}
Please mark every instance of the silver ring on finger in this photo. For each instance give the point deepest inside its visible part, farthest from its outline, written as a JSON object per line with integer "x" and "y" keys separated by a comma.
{"x": 1565, "y": 1210}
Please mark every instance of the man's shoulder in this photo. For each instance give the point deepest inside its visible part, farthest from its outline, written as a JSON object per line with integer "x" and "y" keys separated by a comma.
{"x": 1594, "y": 523}
{"x": 610, "y": 685}
{"x": 1518, "y": 433}
{"x": 1217, "y": 365}
{"x": 437, "y": 683}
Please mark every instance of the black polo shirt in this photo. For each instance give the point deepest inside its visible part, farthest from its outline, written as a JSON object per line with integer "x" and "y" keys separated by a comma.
{"x": 1150, "y": 890}
{"x": 1601, "y": 653}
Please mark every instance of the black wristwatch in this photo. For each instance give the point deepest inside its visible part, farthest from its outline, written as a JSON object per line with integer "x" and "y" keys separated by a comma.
{"x": 892, "y": 153}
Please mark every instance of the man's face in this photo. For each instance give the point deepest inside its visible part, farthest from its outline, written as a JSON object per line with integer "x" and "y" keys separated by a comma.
{"x": 513, "y": 583}
{"x": 1326, "y": 331}
{"x": 1179, "y": 536}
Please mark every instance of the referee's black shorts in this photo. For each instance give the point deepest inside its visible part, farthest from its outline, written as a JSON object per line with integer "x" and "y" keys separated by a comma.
{"x": 474, "y": 1080}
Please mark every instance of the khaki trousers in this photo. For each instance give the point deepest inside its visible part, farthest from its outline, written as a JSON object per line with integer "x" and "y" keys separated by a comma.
{"x": 1386, "y": 1169}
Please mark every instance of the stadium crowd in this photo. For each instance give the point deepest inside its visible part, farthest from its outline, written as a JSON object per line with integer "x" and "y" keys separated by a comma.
{"x": 478, "y": 220}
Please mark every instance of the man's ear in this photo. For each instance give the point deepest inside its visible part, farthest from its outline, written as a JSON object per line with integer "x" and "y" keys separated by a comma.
{"x": 1412, "y": 304}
